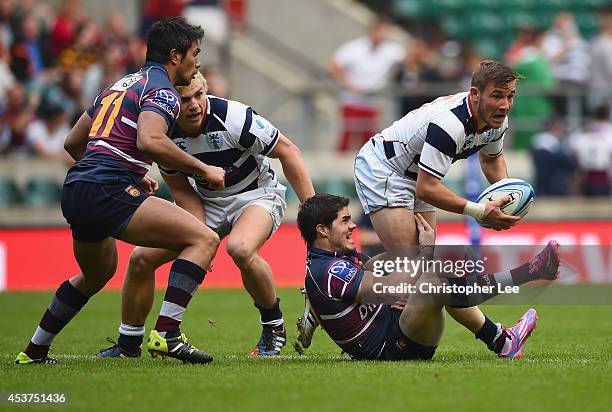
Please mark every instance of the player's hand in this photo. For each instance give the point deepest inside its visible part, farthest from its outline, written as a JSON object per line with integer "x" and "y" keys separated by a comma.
{"x": 497, "y": 219}
{"x": 149, "y": 185}
{"x": 214, "y": 176}
{"x": 427, "y": 236}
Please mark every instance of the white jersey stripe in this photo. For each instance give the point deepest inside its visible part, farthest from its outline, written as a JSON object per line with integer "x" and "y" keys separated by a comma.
{"x": 342, "y": 342}
{"x": 120, "y": 153}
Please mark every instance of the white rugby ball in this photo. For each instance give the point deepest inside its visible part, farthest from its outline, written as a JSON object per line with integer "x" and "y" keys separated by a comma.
{"x": 520, "y": 192}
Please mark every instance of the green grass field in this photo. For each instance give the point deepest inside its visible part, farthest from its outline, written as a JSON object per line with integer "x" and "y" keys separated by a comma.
{"x": 567, "y": 364}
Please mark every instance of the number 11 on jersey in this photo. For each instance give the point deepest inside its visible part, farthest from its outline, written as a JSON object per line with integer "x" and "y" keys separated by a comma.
{"x": 115, "y": 99}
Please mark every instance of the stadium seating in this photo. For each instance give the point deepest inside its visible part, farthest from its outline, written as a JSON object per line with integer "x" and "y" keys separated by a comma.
{"x": 9, "y": 193}
{"x": 42, "y": 192}
{"x": 496, "y": 21}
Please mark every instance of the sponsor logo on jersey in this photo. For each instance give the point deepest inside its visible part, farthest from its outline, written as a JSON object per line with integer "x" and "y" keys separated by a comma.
{"x": 132, "y": 191}
{"x": 126, "y": 82}
{"x": 165, "y": 100}
{"x": 262, "y": 124}
{"x": 342, "y": 270}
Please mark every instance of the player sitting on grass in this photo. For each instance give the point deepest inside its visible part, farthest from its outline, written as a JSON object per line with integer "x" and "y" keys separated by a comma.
{"x": 248, "y": 210}
{"x": 358, "y": 313}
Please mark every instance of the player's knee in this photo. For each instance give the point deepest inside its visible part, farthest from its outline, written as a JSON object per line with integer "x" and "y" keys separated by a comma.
{"x": 239, "y": 251}
{"x": 208, "y": 240}
{"x": 140, "y": 262}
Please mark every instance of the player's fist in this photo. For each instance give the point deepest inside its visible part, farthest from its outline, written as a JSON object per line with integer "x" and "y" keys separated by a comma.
{"x": 495, "y": 218}
{"x": 214, "y": 176}
{"x": 149, "y": 185}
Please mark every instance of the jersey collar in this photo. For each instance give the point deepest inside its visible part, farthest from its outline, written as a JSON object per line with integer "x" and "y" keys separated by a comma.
{"x": 149, "y": 63}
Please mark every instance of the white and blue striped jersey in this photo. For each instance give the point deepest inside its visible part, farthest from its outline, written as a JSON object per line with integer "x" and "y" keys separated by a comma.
{"x": 434, "y": 136}
{"x": 235, "y": 138}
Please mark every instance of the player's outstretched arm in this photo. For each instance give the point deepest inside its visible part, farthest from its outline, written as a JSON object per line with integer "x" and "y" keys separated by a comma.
{"x": 153, "y": 141}
{"x": 184, "y": 195}
{"x": 76, "y": 142}
{"x": 294, "y": 167}
{"x": 494, "y": 168}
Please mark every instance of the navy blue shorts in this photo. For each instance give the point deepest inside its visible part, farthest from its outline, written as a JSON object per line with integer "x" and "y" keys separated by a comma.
{"x": 96, "y": 211}
{"x": 398, "y": 346}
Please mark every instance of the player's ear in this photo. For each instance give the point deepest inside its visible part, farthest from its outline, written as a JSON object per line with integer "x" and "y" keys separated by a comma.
{"x": 175, "y": 57}
{"x": 322, "y": 230}
{"x": 474, "y": 93}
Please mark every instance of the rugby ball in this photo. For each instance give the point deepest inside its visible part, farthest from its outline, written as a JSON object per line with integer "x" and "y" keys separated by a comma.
{"x": 520, "y": 192}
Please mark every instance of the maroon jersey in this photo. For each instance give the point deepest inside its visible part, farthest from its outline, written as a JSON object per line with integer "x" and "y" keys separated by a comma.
{"x": 115, "y": 114}
{"x": 332, "y": 282}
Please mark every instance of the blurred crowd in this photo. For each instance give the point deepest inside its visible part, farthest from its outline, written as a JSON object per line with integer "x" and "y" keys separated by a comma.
{"x": 561, "y": 111}
{"x": 53, "y": 63}
{"x": 55, "y": 59}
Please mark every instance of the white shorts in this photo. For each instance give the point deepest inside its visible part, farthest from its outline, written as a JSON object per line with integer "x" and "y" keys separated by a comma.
{"x": 223, "y": 212}
{"x": 379, "y": 187}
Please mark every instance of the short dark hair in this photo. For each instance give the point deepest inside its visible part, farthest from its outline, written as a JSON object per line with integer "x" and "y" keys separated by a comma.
{"x": 322, "y": 209}
{"x": 493, "y": 72}
{"x": 171, "y": 33}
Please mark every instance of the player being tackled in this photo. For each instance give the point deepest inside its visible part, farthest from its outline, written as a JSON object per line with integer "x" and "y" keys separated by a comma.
{"x": 359, "y": 310}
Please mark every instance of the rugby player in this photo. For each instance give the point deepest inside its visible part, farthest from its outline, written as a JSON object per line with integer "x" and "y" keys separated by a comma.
{"x": 248, "y": 210}
{"x": 366, "y": 324}
{"x": 398, "y": 172}
{"x": 106, "y": 193}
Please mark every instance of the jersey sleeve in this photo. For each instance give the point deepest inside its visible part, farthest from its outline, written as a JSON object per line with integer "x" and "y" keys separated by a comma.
{"x": 343, "y": 280}
{"x": 165, "y": 102}
{"x": 440, "y": 147}
{"x": 91, "y": 109}
{"x": 249, "y": 131}
{"x": 496, "y": 146}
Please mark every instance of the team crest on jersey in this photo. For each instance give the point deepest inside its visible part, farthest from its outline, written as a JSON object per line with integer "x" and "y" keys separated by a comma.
{"x": 132, "y": 191}
{"x": 342, "y": 270}
{"x": 215, "y": 140}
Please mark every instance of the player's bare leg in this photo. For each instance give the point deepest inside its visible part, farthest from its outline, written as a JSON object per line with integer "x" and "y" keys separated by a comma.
{"x": 138, "y": 289}
{"x": 161, "y": 224}
{"x": 248, "y": 235}
{"x": 137, "y": 296}
{"x": 98, "y": 262}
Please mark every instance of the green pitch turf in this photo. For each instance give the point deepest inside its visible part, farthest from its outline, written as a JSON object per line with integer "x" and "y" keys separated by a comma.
{"x": 567, "y": 364}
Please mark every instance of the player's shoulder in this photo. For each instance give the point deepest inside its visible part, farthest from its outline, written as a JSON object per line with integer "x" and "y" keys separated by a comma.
{"x": 325, "y": 264}
{"x": 451, "y": 114}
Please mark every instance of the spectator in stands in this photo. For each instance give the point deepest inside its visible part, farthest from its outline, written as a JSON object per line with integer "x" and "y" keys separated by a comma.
{"x": 27, "y": 61}
{"x": 69, "y": 18}
{"x": 569, "y": 57}
{"x": 136, "y": 54}
{"x": 363, "y": 67}
{"x": 216, "y": 82}
{"x": 46, "y": 135}
{"x": 601, "y": 57}
{"x": 554, "y": 164}
{"x": 419, "y": 69}
{"x": 105, "y": 71}
{"x": 7, "y": 80}
{"x": 153, "y": 10}
{"x": 522, "y": 41}
{"x": 19, "y": 114}
{"x": 592, "y": 148}
{"x": 531, "y": 104}
{"x": 83, "y": 52}
{"x": 114, "y": 34}
{"x": 6, "y": 32}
